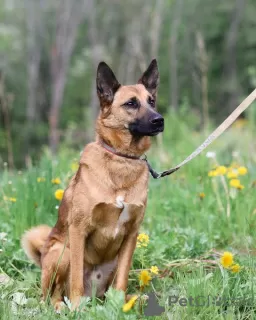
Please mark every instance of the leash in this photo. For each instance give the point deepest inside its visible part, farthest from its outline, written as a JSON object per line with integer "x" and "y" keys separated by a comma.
{"x": 214, "y": 135}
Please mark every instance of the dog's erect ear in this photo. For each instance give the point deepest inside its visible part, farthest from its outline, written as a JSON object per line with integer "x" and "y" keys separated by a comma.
{"x": 150, "y": 78}
{"x": 106, "y": 82}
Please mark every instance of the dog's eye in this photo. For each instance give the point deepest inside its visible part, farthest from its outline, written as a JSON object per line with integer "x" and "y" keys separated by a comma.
{"x": 132, "y": 103}
{"x": 151, "y": 101}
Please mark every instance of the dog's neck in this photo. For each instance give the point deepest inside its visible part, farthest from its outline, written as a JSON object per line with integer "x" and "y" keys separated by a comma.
{"x": 122, "y": 141}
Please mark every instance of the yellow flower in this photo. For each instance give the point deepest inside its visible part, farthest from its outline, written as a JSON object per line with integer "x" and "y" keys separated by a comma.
{"x": 221, "y": 170}
{"x": 235, "y": 183}
{"x": 59, "y": 194}
{"x": 232, "y": 175}
{"x": 11, "y": 199}
{"x": 144, "y": 278}
{"x": 235, "y": 268}
{"x": 130, "y": 304}
{"x": 240, "y": 123}
{"x": 40, "y": 179}
{"x": 154, "y": 269}
{"x": 201, "y": 195}
{"x": 227, "y": 259}
{"x": 212, "y": 173}
{"x": 242, "y": 171}
{"x": 56, "y": 181}
{"x": 142, "y": 240}
{"x": 74, "y": 166}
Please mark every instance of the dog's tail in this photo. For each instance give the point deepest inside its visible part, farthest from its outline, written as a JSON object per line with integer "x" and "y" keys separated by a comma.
{"x": 33, "y": 241}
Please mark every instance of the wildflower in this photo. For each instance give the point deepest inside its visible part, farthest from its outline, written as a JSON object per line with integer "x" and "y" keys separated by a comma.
{"x": 3, "y": 236}
{"x": 74, "y": 166}
{"x": 130, "y": 304}
{"x": 210, "y": 154}
{"x": 144, "y": 278}
{"x": 227, "y": 259}
{"x": 232, "y": 175}
{"x": 201, "y": 195}
{"x": 56, "y": 181}
{"x": 212, "y": 173}
{"x": 221, "y": 170}
{"x": 242, "y": 171}
{"x": 59, "y": 194}
{"x": 142, "y": 240}
{"x": 235, "y": 183}
{"x": 40, "y": 179}
{"x": 11, "y": 199}
{"x": 240, "y": 123}
{"x": 235, "y": 268}
{"x": 154, "y": 269}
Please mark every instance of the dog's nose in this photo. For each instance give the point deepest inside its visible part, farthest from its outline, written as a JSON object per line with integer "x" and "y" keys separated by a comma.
{"x": 157, "y": 120}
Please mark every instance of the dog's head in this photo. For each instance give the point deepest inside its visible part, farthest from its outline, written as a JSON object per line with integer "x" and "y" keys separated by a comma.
{"x": 133, "y": 107}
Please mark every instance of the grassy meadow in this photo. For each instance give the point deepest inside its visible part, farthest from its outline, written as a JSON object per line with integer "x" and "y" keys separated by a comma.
{"x": 206, "y": 208}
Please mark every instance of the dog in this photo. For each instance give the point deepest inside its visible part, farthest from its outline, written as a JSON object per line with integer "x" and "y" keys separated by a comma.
{"x": 92, "y": 244}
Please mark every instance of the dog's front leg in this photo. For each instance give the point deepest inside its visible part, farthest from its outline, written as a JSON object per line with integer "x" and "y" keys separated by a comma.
{"x": 124, "y": 261}
{"x": 77, "y": 240}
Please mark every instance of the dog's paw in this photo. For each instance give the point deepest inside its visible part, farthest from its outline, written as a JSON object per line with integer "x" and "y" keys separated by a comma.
{"x": 59, "y": 306}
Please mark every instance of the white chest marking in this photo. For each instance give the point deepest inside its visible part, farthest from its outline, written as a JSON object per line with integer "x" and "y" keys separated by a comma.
{"x": 124, "y": 216}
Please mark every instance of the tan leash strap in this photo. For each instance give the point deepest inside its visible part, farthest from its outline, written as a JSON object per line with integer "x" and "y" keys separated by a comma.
{"x": 214, "y": 135}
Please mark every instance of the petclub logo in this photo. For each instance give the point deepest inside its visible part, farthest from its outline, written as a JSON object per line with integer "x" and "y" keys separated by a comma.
{"x": 154, "y": 309}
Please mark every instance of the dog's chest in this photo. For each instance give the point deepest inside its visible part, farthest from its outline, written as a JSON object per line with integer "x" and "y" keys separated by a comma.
{"x": 114, "y": 219}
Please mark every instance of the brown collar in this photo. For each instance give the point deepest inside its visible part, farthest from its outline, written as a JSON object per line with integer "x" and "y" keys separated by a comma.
{"x": 112, "y": 150}
{"x": 153, "y": 173}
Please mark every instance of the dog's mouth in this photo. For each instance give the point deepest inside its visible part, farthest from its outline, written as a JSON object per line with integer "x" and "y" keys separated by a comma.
{"x": 151, "y": 127}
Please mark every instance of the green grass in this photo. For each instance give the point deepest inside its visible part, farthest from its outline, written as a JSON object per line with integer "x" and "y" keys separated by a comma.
{"x": 186, "y": 233}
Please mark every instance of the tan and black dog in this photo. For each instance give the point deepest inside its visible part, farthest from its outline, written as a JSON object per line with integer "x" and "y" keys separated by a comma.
{"x": 99, "y": 217}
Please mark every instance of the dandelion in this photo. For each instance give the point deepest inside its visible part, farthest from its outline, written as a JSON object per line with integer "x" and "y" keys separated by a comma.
{"x": 232, "y": 175}
{"x": 235, "y": 183}
{"x": 226, "y": 259}
{"x": 142, "y": 240}
{"x": 154, "y": 270}
{"x": 221, "y": 170}
{"x": 56, "y": 181}
{"x": 40, "y": 179}
{"x": 127, "y": 307}
{"x": 59, "y": 194}
{"x": 242, "y": 171}
{"x": 74, "y": 166}
{"x": 235, "y": 268}
{"x": 212, "y": 173}
{"x": 11, "y": 199}
{"x": 201, "y": 195}
{"x": 240, "y": 123}
{"x": 144, "y": 278}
